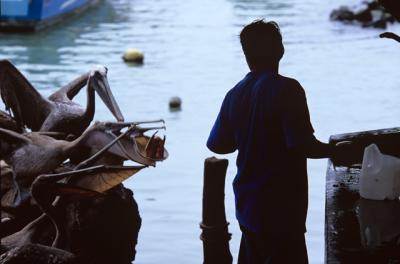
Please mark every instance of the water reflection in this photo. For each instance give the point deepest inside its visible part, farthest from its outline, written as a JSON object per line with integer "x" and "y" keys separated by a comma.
{"x": 261, "y": 5}
{"x": 379, "y": 222}
{"x": 271, "y": 10}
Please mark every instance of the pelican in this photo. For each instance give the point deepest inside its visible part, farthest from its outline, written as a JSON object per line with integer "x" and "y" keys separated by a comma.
{"x": 57, "y": 112}
{"x": 32, "y": 154}
{"x": 23, "y": 246}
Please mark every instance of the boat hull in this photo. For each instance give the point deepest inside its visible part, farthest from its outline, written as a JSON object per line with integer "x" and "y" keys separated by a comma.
{"x": 33, "y": 15}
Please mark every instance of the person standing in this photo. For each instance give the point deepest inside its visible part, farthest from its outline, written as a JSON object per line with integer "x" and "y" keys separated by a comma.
{"x": 265, "y": 117}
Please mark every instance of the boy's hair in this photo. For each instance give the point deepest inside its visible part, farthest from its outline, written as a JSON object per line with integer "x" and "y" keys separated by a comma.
{"x": 262, "y": 43}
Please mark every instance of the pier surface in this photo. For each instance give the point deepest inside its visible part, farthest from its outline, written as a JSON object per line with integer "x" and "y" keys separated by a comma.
{"x": 358, "y": 230}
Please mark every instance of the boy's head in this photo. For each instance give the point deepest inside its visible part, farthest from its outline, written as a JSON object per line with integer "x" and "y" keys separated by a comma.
{"x": 262, "y": 44}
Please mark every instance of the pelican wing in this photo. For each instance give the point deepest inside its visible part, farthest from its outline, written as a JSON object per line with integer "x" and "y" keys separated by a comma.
{"x": 55, "y": 135}
{"x": 69, "y": 91}
{"x": 11, "y": 137}
{"x": 103, "y": 178}
{"x": 27, "y": 105}
{"x": 125, "y": 148}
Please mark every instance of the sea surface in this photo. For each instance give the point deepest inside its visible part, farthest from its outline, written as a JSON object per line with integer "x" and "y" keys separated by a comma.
{"x": 192, "y": 50}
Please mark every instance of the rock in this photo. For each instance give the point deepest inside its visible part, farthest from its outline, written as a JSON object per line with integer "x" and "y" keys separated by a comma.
{"x": 100, "y": 230}
{"x": 370, "y": 15}
{"x": 392, "y": 6}
{"x": 105, "y": 229}
{"x": 38, "y": 254}
{"x": 377, "y": 24}
{"x": 342, "y": 14}
{"x": 363, "y": 16}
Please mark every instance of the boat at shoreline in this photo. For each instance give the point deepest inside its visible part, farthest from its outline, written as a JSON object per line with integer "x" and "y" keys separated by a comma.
{"x": 33, "y": 15}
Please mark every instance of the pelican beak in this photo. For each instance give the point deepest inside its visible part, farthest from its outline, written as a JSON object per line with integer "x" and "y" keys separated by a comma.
{"x": 155, "y": 148}
{"x": 103, "y": 90}
{"x": 151, "y": 149}
{"x": 140, "y": 148}
{"x": 131, "y": 144}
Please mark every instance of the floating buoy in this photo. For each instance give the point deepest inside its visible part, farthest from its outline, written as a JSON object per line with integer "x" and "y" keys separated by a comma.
{"x": 175, "y": 103}
{"x": 133, "y": 55}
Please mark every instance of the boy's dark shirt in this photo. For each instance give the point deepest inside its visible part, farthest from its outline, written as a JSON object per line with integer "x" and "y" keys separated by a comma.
{"x": 265, "y": 117}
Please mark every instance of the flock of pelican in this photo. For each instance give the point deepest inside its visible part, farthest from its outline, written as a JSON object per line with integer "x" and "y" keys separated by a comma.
{"x": 61, "y": 194}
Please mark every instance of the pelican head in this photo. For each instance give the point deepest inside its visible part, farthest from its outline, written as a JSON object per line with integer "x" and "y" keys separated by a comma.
{"x": 99, "y": 82}
{"x": 130, "y": 144}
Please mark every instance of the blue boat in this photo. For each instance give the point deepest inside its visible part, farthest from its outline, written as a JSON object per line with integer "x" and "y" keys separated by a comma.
{"x": 33, "y": 15}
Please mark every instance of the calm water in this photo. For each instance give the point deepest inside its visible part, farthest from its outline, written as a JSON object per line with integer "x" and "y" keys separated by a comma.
{"x": 192, "y": 50}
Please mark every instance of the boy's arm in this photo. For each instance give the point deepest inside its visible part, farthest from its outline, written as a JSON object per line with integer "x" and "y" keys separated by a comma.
{"x": 316, "y": 149}
{"x": 299, "y": 133}
{"x": 221, "y": 138}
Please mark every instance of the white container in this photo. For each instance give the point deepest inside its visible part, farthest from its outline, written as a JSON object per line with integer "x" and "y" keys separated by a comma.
{"x": 380, "y": 175}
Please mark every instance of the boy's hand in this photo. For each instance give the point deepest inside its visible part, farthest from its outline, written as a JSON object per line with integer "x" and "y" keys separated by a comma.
{"x": 390, "y": 35}
{"x": 344, "y": 153}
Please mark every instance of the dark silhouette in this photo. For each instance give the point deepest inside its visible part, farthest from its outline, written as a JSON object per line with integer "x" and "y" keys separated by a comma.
{"x": 265, "y": 117}
{"x": 215, "y": 235}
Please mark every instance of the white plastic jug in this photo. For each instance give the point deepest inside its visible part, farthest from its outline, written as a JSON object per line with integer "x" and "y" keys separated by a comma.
{"x": 380, "y": 175}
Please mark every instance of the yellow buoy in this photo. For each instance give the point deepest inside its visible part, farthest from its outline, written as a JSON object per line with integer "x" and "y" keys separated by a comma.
{"x": 133, "y": 55}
